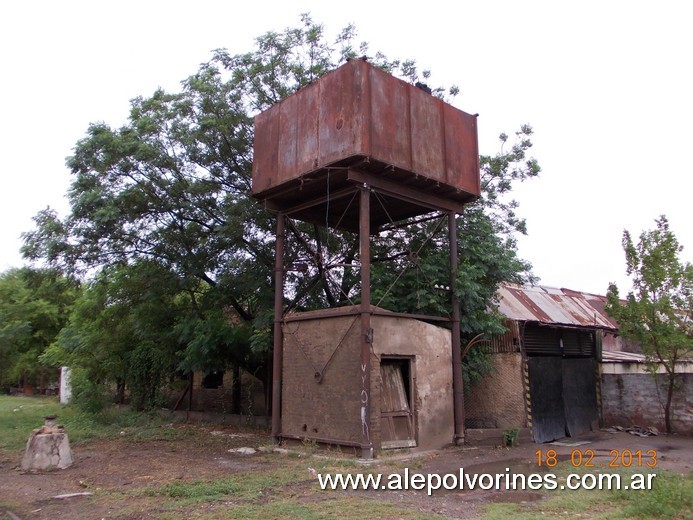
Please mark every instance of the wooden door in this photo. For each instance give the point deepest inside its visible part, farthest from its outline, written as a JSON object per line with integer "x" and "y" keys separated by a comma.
{"x": 397, "y": 421}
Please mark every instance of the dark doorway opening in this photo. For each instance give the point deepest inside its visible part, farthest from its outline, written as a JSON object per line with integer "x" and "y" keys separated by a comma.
{"x": 213, "y": 380}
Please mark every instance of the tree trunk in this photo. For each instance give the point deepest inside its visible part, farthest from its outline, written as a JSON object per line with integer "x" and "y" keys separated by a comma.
{"x": 667, "y": 406}
{"x": 120, "y": 392}
{"x": 267, "y": 382}
{"x": 236, "y": 391}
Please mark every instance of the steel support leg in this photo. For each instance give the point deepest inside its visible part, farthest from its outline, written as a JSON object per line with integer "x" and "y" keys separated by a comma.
{"x": 457, "y": 381}
{"x": 366, "y": 331}
{"x": 277, "y": 358}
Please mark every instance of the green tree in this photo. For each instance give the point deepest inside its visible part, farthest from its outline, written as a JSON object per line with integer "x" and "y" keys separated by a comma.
{"x": 120, "y": 332}
{"x": 657, "y": 311}
{"x": 172, "y": 186}
{"x": 34, "y": 307}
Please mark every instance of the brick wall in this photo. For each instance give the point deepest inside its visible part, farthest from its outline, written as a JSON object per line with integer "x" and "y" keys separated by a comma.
{"x": 329, "y": 408}
{"x": 219, "y": 400}
{"x": 211, "y": 399}
{"x": 497, "y": 401}
{"x": 636, "y": 399}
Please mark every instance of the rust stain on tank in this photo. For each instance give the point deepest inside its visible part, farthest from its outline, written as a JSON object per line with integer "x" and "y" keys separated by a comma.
{"x": 358, "y": 112}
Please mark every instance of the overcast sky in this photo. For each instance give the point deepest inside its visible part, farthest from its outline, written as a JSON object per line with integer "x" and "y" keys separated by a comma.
{"x": 606, "y": 85}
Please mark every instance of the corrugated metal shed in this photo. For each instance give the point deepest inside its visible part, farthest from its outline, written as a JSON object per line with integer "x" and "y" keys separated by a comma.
{"x": 553, "y": 306}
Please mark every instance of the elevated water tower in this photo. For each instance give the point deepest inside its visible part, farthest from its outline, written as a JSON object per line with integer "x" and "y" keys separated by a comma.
{"x": 325, "y": 153}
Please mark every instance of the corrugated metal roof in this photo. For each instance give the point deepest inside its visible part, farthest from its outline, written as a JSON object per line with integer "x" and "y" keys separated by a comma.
{"x": 550, "y": 305}
{"x": 630, "y": 357}
{"x": 622, "y": 357}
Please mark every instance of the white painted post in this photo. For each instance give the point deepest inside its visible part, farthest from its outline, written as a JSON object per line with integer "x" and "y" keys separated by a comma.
{"x": 65, "y": 386}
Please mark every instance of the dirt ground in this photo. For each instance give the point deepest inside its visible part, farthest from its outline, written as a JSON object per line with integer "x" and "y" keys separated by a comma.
{"x": 114, "y": 470}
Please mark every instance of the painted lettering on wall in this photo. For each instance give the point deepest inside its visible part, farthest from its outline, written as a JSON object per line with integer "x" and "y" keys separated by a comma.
{"x": 364, "y": 404}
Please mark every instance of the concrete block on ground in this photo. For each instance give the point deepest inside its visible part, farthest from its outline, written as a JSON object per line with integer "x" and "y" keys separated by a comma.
{"x": 48, "y": 448}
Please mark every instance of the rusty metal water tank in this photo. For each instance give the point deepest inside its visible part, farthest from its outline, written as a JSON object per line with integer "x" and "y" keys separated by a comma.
{"x": 358, "y": 117}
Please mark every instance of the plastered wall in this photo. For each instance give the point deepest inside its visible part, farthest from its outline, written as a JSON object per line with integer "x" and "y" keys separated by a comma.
{"x": 327, "y": 407}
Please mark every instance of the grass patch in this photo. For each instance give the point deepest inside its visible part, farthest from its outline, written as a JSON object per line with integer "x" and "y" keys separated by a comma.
{"x": 505, "y": 511}
{"x": 19, "y": 415}
{"x": 338, "y": 509}
{"x": 6, "y": 506}
{"x": 249, "y": 485}
{"x": 195, "y": 491}
{"x": 671, "y": 496}
{"x": 277, "y": 492}
{"x": 353, "y": 507}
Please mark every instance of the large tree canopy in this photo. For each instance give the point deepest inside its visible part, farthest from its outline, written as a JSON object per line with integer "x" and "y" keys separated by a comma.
{"x": 172, "y": 186}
